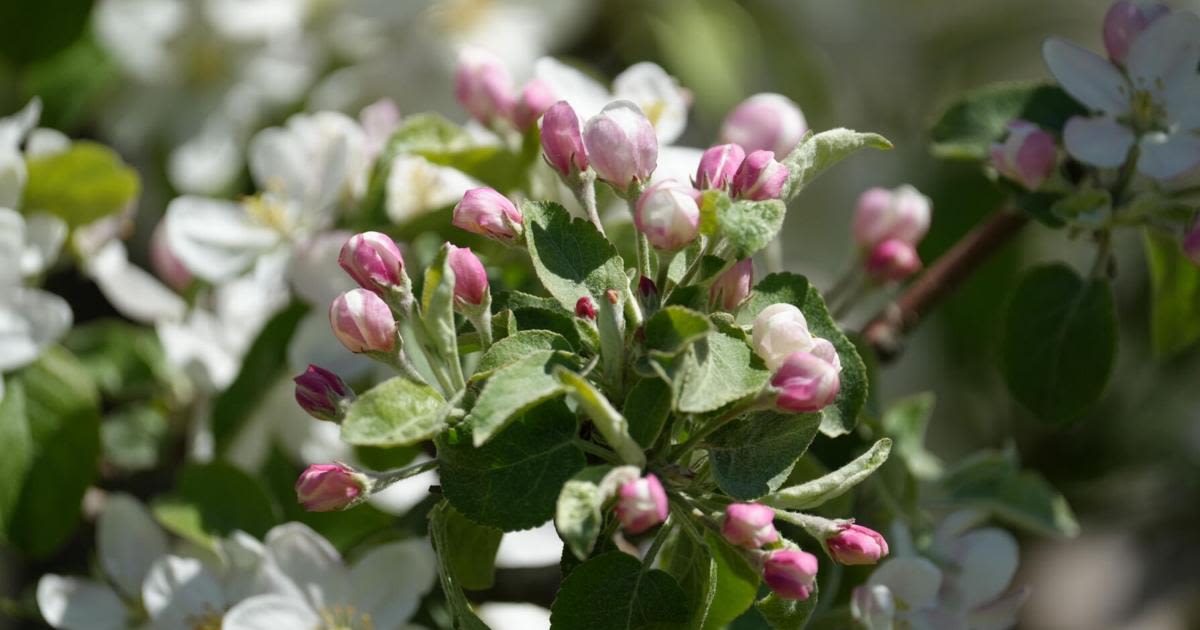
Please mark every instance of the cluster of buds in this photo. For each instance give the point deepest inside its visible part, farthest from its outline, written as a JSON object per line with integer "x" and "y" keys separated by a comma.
{"x": 484, "y": 88}
{"x": 1027, "y": 155}
{"x": 888, "y": 224}
{"x": 619, "y": 144}
{"x": 806, "y": 368}
{"x": 755, "y": 176}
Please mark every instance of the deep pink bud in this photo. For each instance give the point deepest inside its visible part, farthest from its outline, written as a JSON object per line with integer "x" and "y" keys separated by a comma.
{"x": 483, "y": 86}
{"x": 718, "y": 166}
{"x": 856, "y": 544}
{"x": 806, "y": 383}
{"x": 791, "y": 573}
{"x": 322, "y": 394}
{"x": 585, "y": 308}
{"x": 641, "y": 504}
{"x": 165, "y": 264}
{"x": 732, "y": 288}
{"x": 329, "y": 487}
{"x": 562, "y": 141}
{"x": 668, "y": 215}
{"x": 760, "y": 177}
{"x": 536, "y": 97}
{"x": 470, "y": 278}
{"x": 1124, "y": 22}
{"x": 621, "y": 144}
{"x": 487, "y": 212}
{"x": 374, "y": 261}
{"x": 379, "y": 120}
{"x": 1027, "y": 155}
{"x": 765, "y": 122}
{"x": 1191, "y": 244}
{"x": 749, "y": 525}
{"x": 902, "y": 213}
{"x": 893, "y": 260}
{"x": 363, "y": 322}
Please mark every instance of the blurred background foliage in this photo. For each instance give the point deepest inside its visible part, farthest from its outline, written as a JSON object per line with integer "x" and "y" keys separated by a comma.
{"x": 1130, "y": 467}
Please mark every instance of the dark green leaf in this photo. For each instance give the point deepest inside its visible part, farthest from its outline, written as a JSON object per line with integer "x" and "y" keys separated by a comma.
{"x": 18, "y": 447}
{"x": 396, "y": 412}
{"x": 969, "y": 126}
{"x": 125, "y": 360}
{"x": 647, "y": 407}
{"x": 786, "y": 288}
{"x": 571, "y": 257}
{"x": 614, "y": 592}
{"x": 993, "y": 481}
{"x": 1175, "y": 294}
{"x": 452, "y": 588}
{"x": 753, "y": 456}
{"x": 516, "y": 347}
{"x": 717, "y": 371}
{"x": 215, "y": 499}
{"x": 672, "y": 329}
{"x": 472, "y": 554}
{"x": 513, "y": 389}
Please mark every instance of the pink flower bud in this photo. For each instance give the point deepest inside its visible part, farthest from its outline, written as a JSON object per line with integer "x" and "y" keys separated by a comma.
{"x": 487, "y": 212}
{"x": 322, "y": 394}
{"x": 641, "y": 504}
{"x": 765, "y": 122}
{"x": 561, "y": 140}
{"x": 806, "y": 383}
{"x": 483, "y": 86}
{"x": 585, "y": 308}
{"x": 718, "y": 166}
{"x": 893, "y": 260}
{"x": 536, "y": 97}
{"x": 749, "y": 525}
{"x": 374, "y": 261}
{"x": 621, "y": 144}
{"x": 780, "y": 330}
{"x": 1191, "y": 244}
{"x": 165, "y": 264}
{"x": 330, "y": 487}
{"x": 379, "y": 120}
{"x": 470, "y": 278}
{"x": 668, "y": 215}
{"x": 648, "y": 295}
{"x": 882, "y": 214}
{"x": 791, "y": 573}
{"x": 760, "y": 177}
{"x": 363, "y": 322}
{"x": 1124, "y": 22}
{"x": 1027, "y": 155}
{"x": 732, "y": 288}
{"x": 856, "y": 544}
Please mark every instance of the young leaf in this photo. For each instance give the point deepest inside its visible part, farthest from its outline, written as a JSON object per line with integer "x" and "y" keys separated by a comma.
{"x": 513, "y": 348}
{"x": 748, "y": 226}
{"x": 1175, "y": 294}
{"x": 787, "y": 614}
{"x": 513, "y": 389}
{"x": 673, "y": 328}
{"x": 86, "y": 182}
{"x": 719, "y": 370}
{"x": 571, "y": 257}
{"x": 513, "y": 481}
{"x": 472, "y": 555}
{"x": 754, "y": 455}
{"x": 813, "y": 493}
{"x": 396, "y": 412}
{"x": 818, "y": 152}
{"x": 443, "y": 543}
{"x": 969, "y": 126}
{"x": 647, "y": 407}
{"x": 1060, "y": 342}
{"x": 993, "y": 481}
{"x": 437, "y": 308}
{"x": 613, "y": 591}
{"x": 577, "y": 516}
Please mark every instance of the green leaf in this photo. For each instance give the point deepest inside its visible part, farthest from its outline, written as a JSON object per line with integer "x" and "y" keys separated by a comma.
{"x": 577, "y": 515}
{"x": 717, "y": 578}
{"x": 753, "y": 456}
{"x": 673, "y": 328}
{"x": 133, "y": 436}
{"x": 472, "y": 556}
{"x": 787, "y": 614}
{"x": 452, "y": 588}
{"x": 126, "y": 361}
{"x": 437, "y": 308}
{"x": 970, "y": 125}
{"x": 513, "y": 481}
{"x": 396, "y": 412}
{"x": 613, "y": 591}
{"x": 1175, "y": 294}
{"x": 1060, "y": 342}
{"x": 515, "y": 388}
{"x": 818, "y": 152}
{"x": 608, "y": 421}
{"x": 813, "y": 493}
{"x": 905, "y": 422}
{"x": 513, "y": 348}
{"x": 993, "y": 481}
{"x": 214, "y": 499}
{"x": 538, "y": 313}
{"x": 777, "y": 288}
{"x": 86, "y": 182}
{"x": 748, "y": 226}
{"x": 18, "y": 453}
{"x": 717, "y": 371}
{"x": 571, "y": 257}
{"x": 647, "y": 406}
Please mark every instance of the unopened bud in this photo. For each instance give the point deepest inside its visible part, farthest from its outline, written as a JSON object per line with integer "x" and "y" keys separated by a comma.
{"x": 536, "y": 97}
{"x": 322, "y": 394}
{"x": 893, "y": 260}
{"x": 485, "y": 211}
{"x": 765, "y": 122}
{"x": 621, "y": 145}
{"x": 749, "y": 525}
{"x": 791, "y": 573}
{"x": 562, "y": 141}
{"x": 470, "y": 278}
{"x": 857, "y": 545}
{"x": 668, "y": 215}
{"x": 641, "y": 504}
{"x": 585, "y": 308}
{"x": 806, "y": 383}
{"x": 1027, "y": 155}
{"x": 483, "y": 86}
{"x": 1124, "y": 22}
{"x": 718, "y": 166}
{"x": 760, "y": 177}
{"x": 881, "y": 214}
{"x": 330, "y": 487}
{"x": 363, "y": 322}
{"x": 374, "y": 261}
{"x": 779, "y": 331}
{"x": 732, "y": 287}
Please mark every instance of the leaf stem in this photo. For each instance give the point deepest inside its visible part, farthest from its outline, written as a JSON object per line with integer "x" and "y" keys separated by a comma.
{"x": 597, "y": 450}
{"x": 383, "y": 480}
{"x": 587, "y": 195}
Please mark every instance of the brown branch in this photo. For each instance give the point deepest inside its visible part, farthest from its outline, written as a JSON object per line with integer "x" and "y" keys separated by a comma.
{"x": 886, "y": 330}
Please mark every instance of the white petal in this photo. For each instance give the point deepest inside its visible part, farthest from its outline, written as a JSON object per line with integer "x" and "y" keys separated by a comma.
{"x": 677, "y": 163}
{"x": 208, "y": 162}
{"x": 416, "y": 186}
{"x": 659, "y": 96}
{"x": 44, "y": 237}
{"x": 1165, "y": 156}
{"x": 12, "y": 246}
{"x": 30, "y": 320}
{"x": 138, "y": 32}
{"x": 400, "y": 497}
{"x": 1088, "y": 77}
{"x": 1182, "y": 101}
{"x": 44, "y": 142}
{"x": 133, "y": 291}
{"x": 987, "y": 561}
{"x": 514, "y": 616}
{"x": 390, "y": 580}
{"x": 537, "y": 547}
{"x": 199, "y": 346}
{"x": 1099, "y": 141}
{"x": 1000, "y": 614}
{"x": 308, "y": 441}
{"x": 249, "y": 572}
{"x": 314, "y": 270}
{"x": 12, "y": 177}
{"x": 216, "y": 240}
{"x": 13, "y": 128}
{"x": 178, "y": 588}
{"x": 251, "y": 20}
{"x": 586, "y": 95}
{"x": 128, "y": 542}
{"x": 77, "y": 604}
{"x": 271, "y": 612}
{"x": 914, "y": 581}
{"x": 1166, "y": 52}
{"x": 310, "y": 561}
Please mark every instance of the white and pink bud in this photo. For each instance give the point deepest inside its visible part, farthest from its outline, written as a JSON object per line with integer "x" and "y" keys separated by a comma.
{"x": 780, "y": 330}
{"x": 1027, "y": 155}
{"x": 892, "y": 261}
{"x": 485, "y": 211}
{"x": 536, "y": 97}
{"x": 470, "y": 278}
{"x": 806, "y": 383}
{"x": 621, "y": 145}
{"x": 791, "y": 573}
{"x": 562, "y": 142}
{"x": 483, "y": 86}
{"x": 373, "y": 260}
{"x": 641, "y": 504}
{"x": 760, "y": 177}
{"x": 718, "y": 165}
{"x": 362, "y": 321}
{"x": 732, "y": 287}
{"x": 322, "y": 394}
{"x": 1191, "y": 244}
{"x": 668, "y": 215}
{"x": 330, "y": 487}
{"x": 856, "y": 544}
{"x": 749, "y": 525}
{"x": 881, "y": 214}
{"x": 1123, "y": 22}
{"x": 765, "y": 122}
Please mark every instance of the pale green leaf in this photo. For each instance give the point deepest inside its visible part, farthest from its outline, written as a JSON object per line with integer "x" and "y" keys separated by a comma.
{"x": 396, "y": 412}
{"x": 813, "y": 493}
